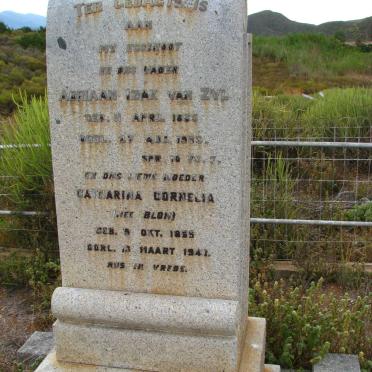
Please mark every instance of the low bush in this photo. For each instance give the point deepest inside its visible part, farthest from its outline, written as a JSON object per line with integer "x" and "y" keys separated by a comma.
{"x": 22, "y": 66}
{"x": 13, "y": 271}
{"x": 3, "y": 28}
{"x": 305, "y": 324}
{"x": 361, "y": 213}
{"x": 32, "y": 40}
{"x": 35, "y": 271}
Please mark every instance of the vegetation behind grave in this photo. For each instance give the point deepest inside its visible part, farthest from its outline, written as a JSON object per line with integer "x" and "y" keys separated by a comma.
{"x": 307, "y": 323}
{"x": 26, "y": 184}
{"x": 22, "y": 65}
{"x": 308, "y": 63}
{"x": 304, "y": 324}
{"x": 299, "y": 63}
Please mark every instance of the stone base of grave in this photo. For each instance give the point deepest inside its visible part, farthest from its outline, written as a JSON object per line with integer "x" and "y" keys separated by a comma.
{"x": 338, "y": 362}
{"x": 252, "y": 358}
{"x": 36, "y": 348}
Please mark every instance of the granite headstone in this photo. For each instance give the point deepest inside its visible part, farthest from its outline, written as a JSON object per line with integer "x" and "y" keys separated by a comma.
{"x": 149, "y": 110}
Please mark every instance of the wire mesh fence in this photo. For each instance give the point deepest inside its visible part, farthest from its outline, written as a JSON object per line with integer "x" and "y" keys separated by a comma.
{"x": 311, "y": 193}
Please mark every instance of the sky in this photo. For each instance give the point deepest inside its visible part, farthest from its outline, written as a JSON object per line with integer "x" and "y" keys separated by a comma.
{"x": 308, "y": 11}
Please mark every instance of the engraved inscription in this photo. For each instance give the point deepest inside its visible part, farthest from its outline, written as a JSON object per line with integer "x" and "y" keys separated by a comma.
{"x": 154, "y": 47}
{"x": 138, "y": 25}
{"x": 141, "y": 113}
{"x": 88, "y": 95}
{"x": 180, "y": 95}
{"x": 209, "y": 94}
{"x": 90, "y": 8}
{"x": 108, "y": 194}
{"x": 177, "y": 4}
{"x": 161, "y": 70}
{"x": 141, "y": 95}
{"x": 148, "y": 118}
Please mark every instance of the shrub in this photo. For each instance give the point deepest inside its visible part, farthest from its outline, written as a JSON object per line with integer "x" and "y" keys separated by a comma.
{"x": 25, "y": 29}
{"x": 362, "y": 213}
{"x": 43, "y": 277}
{"x": 365, "y": 48}
{"x": 35, "y": 271}
{"x": 33, "y": 40}
{"x": 340, "y": 36}
{"x": 20, "y": 68}
{"x": 7, "y": 104}
{"x": 305, "y": 324}
{"x": 13, "y": 271}
{"x": 3, "y": 28}
{"x": 17, "y": 75}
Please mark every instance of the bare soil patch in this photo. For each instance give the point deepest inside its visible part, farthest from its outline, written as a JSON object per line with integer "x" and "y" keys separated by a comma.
{"x": 17, "y": 323}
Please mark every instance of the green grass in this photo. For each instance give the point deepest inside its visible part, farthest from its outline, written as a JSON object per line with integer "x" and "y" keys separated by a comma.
{"x": 29, "y": 176}
{"x": 29, "y": 184}
{"x": 30, "y": 166}
{"x": 308, "y": 63}
{"x": 312, "y": 55}
{"x": 350, "y": 110}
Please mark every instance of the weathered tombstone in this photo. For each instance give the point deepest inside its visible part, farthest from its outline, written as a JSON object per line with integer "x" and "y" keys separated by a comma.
{"x": 150, "y": 138}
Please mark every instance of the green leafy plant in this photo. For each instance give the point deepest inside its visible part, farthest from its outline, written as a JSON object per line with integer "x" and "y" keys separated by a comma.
{"x": 361, "y": 213}
{"x": 305, "y": 324}
{"x": 32, "y": 40}
{"x": 43, "y": 277}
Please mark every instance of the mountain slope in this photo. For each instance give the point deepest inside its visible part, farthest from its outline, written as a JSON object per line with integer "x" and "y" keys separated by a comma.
{"x": 268, "y": 23}
{"x": 17, "y": 20}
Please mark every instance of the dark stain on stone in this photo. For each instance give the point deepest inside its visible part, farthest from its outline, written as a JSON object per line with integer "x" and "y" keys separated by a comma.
{"x": 62, "y": 43}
